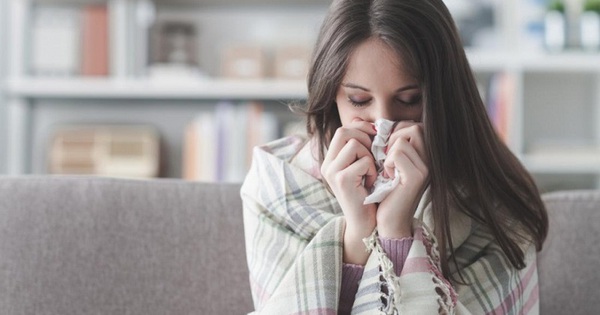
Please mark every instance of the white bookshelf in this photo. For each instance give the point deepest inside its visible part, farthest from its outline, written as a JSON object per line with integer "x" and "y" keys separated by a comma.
{"x": 548, "y": 87}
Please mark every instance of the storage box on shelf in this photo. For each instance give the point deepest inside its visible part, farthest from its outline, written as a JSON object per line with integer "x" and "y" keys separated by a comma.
{"x": 130, "y": 151}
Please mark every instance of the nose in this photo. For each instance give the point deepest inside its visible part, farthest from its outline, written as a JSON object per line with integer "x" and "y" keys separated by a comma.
{"x": 383, "y": 109}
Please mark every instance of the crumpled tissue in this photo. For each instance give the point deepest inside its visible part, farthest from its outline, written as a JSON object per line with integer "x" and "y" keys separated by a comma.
{"x": 382, "y": 186}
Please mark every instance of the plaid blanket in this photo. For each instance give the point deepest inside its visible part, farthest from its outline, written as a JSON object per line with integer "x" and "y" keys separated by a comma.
{"x": 294, "y": 233}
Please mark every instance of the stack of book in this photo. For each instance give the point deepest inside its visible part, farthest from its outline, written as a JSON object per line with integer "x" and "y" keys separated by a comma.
{"x": 69, "y": 41}
{"x": 500, "y": 96}
{"x": 218, "y": 144}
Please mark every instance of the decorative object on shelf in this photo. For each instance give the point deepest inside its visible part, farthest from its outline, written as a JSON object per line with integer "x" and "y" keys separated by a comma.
{"x": 144, "y": 18}
{"x": 531, "y": 31}
{"x": 291, "y": 62}
{"x": 119, "y": 151}
{"x": 590, "y": 25}
{"x": 555, "y": 26}
{"x": 55, "y": 41}
{"x": 173, "y": 51}
{"x": 95, "y": 57}
{"x": 244, "y": 62}
{"x": 476, "y": 22}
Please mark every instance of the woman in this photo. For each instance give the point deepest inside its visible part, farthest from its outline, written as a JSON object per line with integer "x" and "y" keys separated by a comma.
{"x": 459, "y": 228}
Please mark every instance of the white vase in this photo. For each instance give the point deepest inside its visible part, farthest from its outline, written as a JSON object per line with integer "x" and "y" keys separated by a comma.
{"x": 555, "y": 30}
{"x": 589, "y": 24}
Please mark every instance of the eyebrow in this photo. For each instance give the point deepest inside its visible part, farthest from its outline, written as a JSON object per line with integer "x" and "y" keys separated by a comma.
{"x": 355, "y": 86}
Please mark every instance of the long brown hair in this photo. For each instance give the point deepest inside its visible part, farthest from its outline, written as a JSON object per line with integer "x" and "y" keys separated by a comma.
{"x": 471, "y": 168}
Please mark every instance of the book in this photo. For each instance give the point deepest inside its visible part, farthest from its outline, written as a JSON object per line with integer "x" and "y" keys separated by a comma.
{"x": 95, "y": 41}
{"x": 237, "y": 144}
{"x": 207, "y": 148}
{"x": 190, "y": 152}
{"x": 500, "y": 104}
{"x": 56, "y": 45}
{"x": 144, "y": 17}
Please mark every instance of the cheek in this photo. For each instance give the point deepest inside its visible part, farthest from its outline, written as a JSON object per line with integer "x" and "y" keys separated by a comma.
{"x": 347, "y": 114}
{"x": 413, "y": 113}
{"x": 417, "y": 115}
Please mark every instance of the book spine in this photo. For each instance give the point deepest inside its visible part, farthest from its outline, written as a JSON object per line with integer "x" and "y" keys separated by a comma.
{"x": 95, "y": 59}
{"x": 190, "y": 152}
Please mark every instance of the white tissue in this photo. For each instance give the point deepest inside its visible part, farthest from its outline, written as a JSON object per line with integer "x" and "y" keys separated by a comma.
{"x": 382, "y": 186}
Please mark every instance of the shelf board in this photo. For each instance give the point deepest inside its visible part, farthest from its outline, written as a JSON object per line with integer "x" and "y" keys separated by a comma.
{"x": 570, "y": 61}
{"x": 560, "y": 163}
{"x": 269, "y": 89}
{"x": 199, "y": 2}
{"x": 241, "y": 2}
{"x": 486, "y": 61}
{"x": 157, "y": 89}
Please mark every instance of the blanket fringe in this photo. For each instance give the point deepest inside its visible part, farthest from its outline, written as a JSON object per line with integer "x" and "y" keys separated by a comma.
{"x": 447, "y": 297}
{"x": 388, "y": 277}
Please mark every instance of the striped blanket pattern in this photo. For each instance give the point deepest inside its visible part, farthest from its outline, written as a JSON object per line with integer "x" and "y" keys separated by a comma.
{"x": 294, "y": 232}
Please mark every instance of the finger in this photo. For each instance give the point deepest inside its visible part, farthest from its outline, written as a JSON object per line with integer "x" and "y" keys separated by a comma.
{"x": 403, "y": 124}
{"x": 342, "y": 136}
{"x": 407, "y": 129}
{"x": 404, "y": 158}
{"x": 402, "y": 167}
{"x": 403, "y": 147}
{"x": 371, "y": 174}
{"x": 350, "y": 153}
{"x": 398, "y": 164}
{"x": 364, "y": 126}
{"x": 362, "y": 168}
{"x": 413, "y": 133}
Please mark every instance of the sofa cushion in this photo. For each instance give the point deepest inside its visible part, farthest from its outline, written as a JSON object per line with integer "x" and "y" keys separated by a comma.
{"x": 568, "y": 263}
{"x": 80, "y": 245}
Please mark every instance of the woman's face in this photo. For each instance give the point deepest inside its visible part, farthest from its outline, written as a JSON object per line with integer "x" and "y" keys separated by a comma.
{"x": 377, "y": 86}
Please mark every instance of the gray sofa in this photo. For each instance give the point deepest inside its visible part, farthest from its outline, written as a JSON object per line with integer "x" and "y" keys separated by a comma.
{"x": 80, "y": 245}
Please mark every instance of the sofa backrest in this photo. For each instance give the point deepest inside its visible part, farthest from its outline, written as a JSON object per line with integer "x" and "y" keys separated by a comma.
{"x": 73, "y": 245}
{"x": 80, "y": 245}
{"x": 569, "y": 263}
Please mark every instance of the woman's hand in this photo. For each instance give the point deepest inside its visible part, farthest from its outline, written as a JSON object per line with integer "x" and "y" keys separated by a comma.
{"x": 407, "y": 154}
{"x": 349, "y": 169}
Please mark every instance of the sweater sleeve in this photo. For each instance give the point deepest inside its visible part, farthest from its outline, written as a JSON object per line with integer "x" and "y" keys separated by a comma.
{"x": 395, "y": 249}
{"x": 351, "y": 275}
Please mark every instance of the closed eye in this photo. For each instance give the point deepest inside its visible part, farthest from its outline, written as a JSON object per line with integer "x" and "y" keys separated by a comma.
{"x": 356, "y": 103}
{"x": 411, "y": 101}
